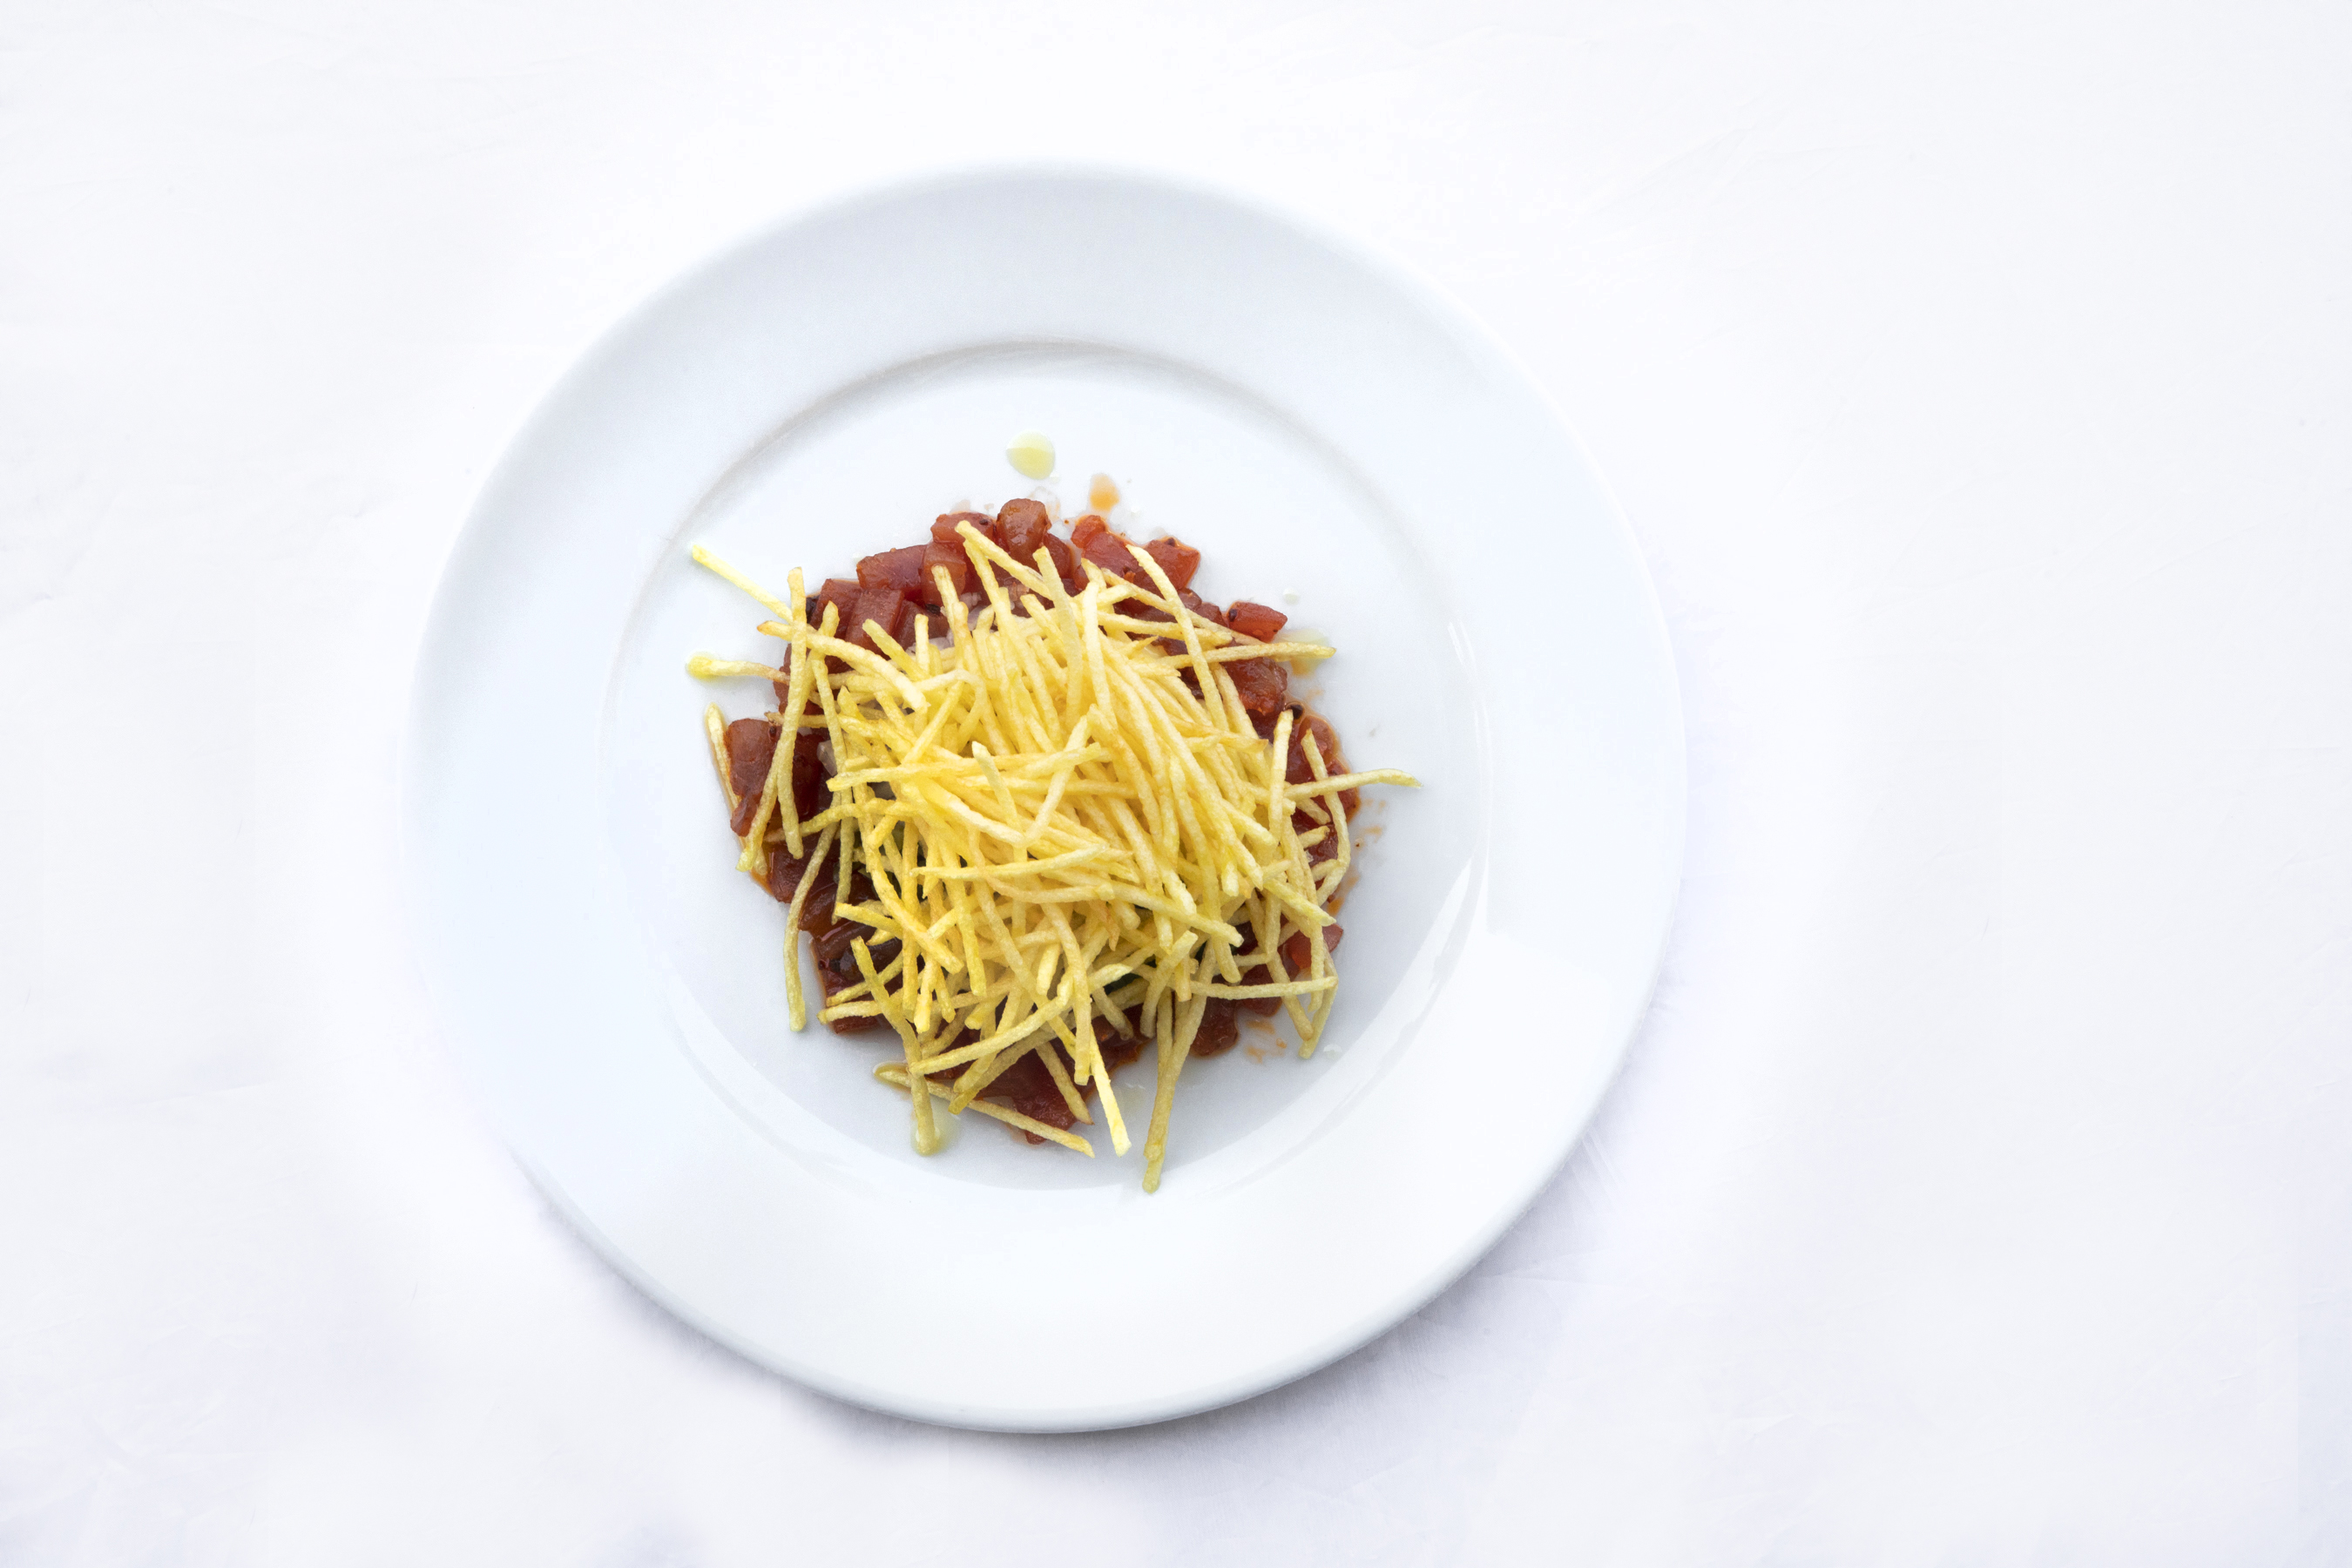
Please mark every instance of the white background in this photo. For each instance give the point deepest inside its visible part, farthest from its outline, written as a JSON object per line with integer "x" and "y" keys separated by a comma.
{"x": 1979, "y": 380}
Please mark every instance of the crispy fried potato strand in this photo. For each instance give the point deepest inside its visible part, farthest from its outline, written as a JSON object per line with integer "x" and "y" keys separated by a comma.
{"x": 1048, "y": 804}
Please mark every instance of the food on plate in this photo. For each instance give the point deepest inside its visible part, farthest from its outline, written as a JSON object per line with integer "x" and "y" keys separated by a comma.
{"x": 1041, "y": 807}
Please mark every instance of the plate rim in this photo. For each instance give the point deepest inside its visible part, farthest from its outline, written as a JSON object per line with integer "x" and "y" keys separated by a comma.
{"x": 1427, "y": 298}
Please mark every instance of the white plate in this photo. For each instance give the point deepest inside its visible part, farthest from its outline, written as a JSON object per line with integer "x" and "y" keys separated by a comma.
{"x": 1315, "y": 422}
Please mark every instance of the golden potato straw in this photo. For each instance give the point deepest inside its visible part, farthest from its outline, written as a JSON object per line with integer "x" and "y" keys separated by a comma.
{"x": 895, "y": 1075}
{"x": 714, "y": 725}
{"x": 793, "y": 1000}
{"x": 1047, "y": 801}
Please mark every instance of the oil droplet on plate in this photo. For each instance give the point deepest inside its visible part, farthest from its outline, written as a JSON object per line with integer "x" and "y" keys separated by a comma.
{"x": 1102, "y": 493}
{"x": 1032, "y": 453}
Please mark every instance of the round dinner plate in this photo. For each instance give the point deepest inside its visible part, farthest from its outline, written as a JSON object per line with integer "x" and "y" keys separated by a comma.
{"x": 1337, "y": 440}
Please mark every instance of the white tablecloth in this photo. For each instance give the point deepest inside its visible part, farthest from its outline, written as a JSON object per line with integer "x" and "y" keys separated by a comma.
{"x": 1979, "y": 380}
